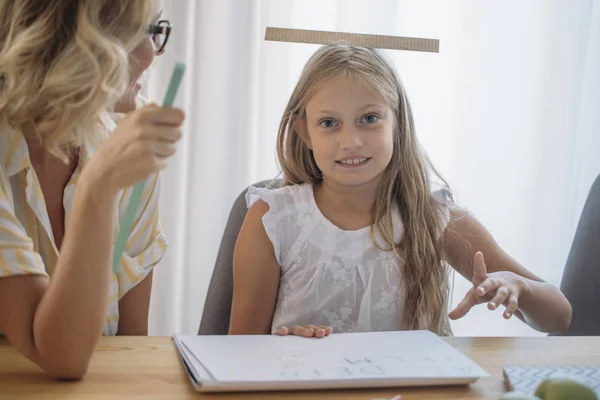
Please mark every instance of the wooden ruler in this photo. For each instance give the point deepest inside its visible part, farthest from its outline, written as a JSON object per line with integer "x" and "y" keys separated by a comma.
{"x": 355, "y": 39}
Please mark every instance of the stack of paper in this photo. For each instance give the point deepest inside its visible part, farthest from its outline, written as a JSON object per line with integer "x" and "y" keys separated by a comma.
{"x": 358, "y": 360}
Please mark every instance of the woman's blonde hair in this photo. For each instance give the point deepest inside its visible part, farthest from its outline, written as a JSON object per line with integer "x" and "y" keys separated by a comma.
{"x": 405, "y": 181}
{"x": 64, "y": 64}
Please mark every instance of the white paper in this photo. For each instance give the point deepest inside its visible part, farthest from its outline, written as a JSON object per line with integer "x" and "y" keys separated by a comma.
{"x": 385, "y": 357}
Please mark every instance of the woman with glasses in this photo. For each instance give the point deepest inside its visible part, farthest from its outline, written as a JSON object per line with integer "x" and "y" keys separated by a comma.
{"x": 67, "y": 166}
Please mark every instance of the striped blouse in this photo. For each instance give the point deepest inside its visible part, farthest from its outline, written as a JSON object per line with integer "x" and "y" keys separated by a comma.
{"x": 26, "y": 241}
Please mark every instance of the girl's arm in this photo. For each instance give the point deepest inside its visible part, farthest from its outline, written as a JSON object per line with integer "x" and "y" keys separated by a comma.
{"x": 255, "y": 276}
{"x": 500, "y": 279}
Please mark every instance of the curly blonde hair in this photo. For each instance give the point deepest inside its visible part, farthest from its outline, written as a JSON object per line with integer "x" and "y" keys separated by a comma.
{"x": 405, "y": 181}
{"x": 64, "y": 64}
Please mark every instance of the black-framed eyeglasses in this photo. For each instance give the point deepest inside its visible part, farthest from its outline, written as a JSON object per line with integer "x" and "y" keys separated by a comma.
{"x": 160, "y": 35}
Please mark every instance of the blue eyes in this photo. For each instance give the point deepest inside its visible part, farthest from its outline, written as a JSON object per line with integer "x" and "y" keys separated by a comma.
{"x": 367, "y": 119}
{"x": 370, "y": 119}
{"x": 328, "y": 123}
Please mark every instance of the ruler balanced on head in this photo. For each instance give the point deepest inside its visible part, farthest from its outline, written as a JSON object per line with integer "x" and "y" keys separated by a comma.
{"x": 355, "y": 39}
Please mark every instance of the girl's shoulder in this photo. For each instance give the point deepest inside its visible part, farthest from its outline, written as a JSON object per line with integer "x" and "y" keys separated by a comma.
{"x": 282, "y": 219}
{"x": 282, "y": 201}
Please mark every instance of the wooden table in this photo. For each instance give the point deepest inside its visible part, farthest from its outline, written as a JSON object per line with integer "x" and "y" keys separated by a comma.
{"x": 149, "y": 368}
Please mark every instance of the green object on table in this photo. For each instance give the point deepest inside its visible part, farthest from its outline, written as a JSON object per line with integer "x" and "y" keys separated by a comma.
{"x": 136, "y": 195}
{"x": 565, "y": 389}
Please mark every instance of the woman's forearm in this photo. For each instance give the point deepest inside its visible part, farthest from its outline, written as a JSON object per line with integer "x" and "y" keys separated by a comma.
{"x": 70, "y": 317}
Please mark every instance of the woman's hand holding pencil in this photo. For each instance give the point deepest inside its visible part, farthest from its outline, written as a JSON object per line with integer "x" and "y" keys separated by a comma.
{"x": 137, "y": 148}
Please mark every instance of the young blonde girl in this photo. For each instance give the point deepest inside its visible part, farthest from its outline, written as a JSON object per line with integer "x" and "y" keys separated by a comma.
{"x": 358, "y": 238}
{"x": 66, "y": 67}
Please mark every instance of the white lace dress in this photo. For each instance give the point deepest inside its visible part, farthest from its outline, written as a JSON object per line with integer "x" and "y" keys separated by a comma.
{"x": 330, "y": 276}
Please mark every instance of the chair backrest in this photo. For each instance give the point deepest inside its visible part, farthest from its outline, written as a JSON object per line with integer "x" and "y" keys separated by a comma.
{"x": 217, "y": 308}
{"x": 581, "y": 278}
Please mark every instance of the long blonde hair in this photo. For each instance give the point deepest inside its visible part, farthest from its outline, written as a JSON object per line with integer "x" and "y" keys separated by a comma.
{"x": 64, "y": 64}
{"x": 405, "y": 181}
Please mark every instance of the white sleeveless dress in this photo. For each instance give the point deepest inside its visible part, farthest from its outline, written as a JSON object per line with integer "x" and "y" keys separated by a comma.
{"x": 329, "y": 276}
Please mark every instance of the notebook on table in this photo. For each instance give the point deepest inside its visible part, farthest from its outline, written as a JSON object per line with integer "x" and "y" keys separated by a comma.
{"x": 359, "y": 360}
{"x": 527, "y": 378}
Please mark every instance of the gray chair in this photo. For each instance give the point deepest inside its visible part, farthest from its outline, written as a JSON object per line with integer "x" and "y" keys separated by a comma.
{"x": 581, "y": 278}
{"x": 217, "y": 308}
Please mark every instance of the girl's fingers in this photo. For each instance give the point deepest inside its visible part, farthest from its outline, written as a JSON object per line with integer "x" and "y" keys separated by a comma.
{"x": 479, "y": 269}
{"x": 499, "y": 298}
{"x": 464, "y": 306}
{"x": 320, "y": 333}
{"x": 283, "y": 331}
{"x": 488, "y": 285}
{"x": 305, "y": 331}
{"x": 326, "y": 330}
{"x": 302, "y": 331}
{"x": 511, "y": 306}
